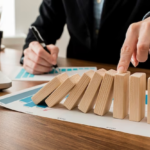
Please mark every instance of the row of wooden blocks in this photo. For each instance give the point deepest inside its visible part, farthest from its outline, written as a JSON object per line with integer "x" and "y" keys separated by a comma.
{"x": 98, "y": 89}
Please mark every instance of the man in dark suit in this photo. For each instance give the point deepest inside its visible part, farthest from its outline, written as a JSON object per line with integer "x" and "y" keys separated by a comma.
{"x": 97, "y": 29}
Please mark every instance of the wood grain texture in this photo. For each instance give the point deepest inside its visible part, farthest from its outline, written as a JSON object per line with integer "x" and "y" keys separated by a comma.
{"x": 137, "y": 87}
{"x": 49, "y": 88}
{"x": 19, "y": 131}
{"x": 27, "y": 132}
{"x": 77, "y": 92}
{"x": 62, "y": 91}
{"x": 121, "y": 95}
{"x": 105, "y": 95}
{"x": 88, "y": 100}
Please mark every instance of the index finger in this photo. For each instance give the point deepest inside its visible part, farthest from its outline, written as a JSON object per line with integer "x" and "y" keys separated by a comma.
{"x": 128, "y": 48}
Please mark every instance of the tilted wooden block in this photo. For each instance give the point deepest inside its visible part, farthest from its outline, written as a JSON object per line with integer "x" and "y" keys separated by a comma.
{"x": 121, "y": 95}
{"x": 78, "y": 91}
{"x": 49, "y": 88}
{"x": 62, "y": 90}
{"x": 148, "y": 105}
{"x": 88, "y": 100}
{"x": 105, "y": 95}
{"x": 137, "y": 87}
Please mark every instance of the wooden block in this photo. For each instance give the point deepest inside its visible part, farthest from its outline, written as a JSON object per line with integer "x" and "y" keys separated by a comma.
{"x": 121, "y": 95}
{"x": 105, "y": 95}
{"x": 148, "y": 105}
{"x": 137, "y": 87}
{"x": 62, "y": 90}
{"x": 78, "y": 91}
{"x": 49, "y": 88}
{"x": 88, "y": 100}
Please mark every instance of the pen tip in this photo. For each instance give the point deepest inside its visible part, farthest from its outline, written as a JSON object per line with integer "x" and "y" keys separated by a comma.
{"x": 57, "y": 69}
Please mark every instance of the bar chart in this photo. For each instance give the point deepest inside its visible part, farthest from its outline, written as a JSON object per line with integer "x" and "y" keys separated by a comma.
{"x": 22, "y": 74}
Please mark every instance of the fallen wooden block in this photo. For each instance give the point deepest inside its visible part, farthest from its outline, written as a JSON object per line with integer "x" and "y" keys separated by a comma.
{"x": 137, "y": 87}
{"x": 49, "y": 88}
{"x": 62, "y": 91}
{"x": 121, "y": 95}
{"x": 88, "y": 100}
{"x": 78, "y": 91}
{"x": 148, "y": 105}
{"x": 105, "y": 95}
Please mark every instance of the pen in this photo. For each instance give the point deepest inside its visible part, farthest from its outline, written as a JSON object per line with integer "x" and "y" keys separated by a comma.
{"x": 41, "y": 41}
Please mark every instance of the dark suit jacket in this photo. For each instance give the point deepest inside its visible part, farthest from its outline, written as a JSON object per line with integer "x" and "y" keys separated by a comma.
{"x": 117, "y": 15}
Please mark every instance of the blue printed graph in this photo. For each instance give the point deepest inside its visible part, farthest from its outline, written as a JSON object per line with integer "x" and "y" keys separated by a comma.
{"x": 24, "y": 74}
{"x": 25, "y": 98}
{"x": 29, "y": 103}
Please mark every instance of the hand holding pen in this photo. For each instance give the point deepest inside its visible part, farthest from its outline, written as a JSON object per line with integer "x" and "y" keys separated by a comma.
{"x": 39, "y": 58}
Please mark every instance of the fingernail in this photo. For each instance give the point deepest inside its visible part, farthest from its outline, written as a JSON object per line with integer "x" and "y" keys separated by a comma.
{"x": 133, "y": 62}
{"x": 121, "y": 69}
{"x": 136, "y": 64}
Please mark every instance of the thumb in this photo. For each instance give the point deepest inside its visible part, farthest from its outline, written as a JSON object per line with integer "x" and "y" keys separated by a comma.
{"x": 54, "y": 50}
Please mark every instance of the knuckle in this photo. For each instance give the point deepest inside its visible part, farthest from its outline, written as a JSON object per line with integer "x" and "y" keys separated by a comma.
{"x": 142, "y": 47}
{"x": 146, "y": 24}
{"x": 133, "y": 27}
{"x": 34, "y": 66}
{"x": 126, "y": 50}
{"x": 40, "y": 52}
{"x": 37, "y": 59}
{"x": 52, "y": 46}
{"x": 25, "y": 51}
{"x": 33, "y": 43}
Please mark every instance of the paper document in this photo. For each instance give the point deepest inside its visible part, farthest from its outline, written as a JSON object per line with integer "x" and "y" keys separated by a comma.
{"x": 22, "y": 102}
{"x": 19, "y": 73}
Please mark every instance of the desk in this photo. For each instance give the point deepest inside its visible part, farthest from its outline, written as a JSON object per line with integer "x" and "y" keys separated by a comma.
{"x": 20, "y": 131}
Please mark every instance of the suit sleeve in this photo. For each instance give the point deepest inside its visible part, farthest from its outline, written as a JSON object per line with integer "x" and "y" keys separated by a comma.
{"x": 50, "y": 22}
